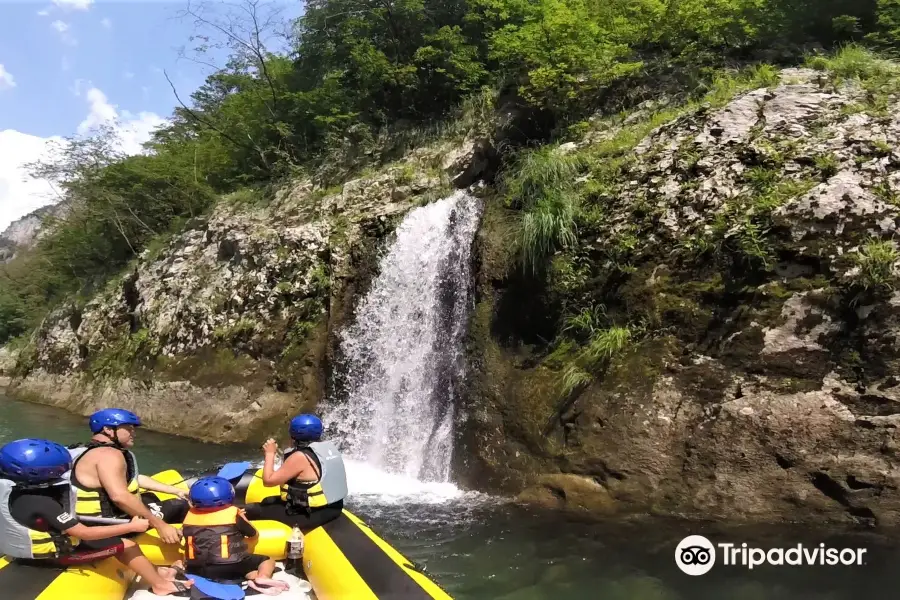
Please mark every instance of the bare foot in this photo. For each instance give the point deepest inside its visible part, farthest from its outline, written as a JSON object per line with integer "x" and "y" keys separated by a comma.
{"x": 170, "y": 587}
{"x": 269, "y": 587}
{"x": 271, "y": 582}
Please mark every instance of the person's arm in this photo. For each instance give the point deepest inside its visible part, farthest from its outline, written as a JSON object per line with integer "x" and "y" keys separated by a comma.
{"x": 53, "y": 514}
{"x": 152, "y": 485}
{"x": 245, "y": 527}
{"x": 289, "y": 470}
{"x": 85, "y": 532}
{"x": 111, "y": 473}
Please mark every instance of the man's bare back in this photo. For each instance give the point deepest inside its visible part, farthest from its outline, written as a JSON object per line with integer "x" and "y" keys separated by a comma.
{"x": 86, "y": 469}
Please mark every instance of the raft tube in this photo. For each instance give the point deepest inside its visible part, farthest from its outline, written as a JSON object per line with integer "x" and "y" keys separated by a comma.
{"x": 106, "y": 579}
{"x": 345, "y": 558}
{"x": 342, "y": 559}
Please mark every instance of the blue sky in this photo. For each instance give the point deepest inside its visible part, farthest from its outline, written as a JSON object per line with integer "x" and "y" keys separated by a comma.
{"x": 69, "y": 65}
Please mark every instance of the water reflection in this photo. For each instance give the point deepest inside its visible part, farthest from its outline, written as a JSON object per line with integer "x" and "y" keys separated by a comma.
{"x": 155, "y": 451}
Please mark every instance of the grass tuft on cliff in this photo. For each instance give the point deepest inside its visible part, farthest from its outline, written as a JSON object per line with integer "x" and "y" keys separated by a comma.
{"x": 541, "y": 184}
{"x": 854, "y": 61}
{"x": 876, "y": 266}
{"x": 602, "y": 347}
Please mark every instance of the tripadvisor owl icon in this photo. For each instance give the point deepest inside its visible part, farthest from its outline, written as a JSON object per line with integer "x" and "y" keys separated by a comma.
{"x": 695, "y": 555}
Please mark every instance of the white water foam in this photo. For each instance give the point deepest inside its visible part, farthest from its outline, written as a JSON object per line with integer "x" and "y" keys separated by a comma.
{"x": 369, "y": 484}
{"x": 401, "y": 360}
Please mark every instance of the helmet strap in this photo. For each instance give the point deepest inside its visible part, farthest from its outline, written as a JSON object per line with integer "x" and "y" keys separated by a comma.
{"x": 114, "y": 438}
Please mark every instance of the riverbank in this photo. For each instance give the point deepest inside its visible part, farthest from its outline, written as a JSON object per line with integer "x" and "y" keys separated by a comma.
{"x": 223, "y": 414}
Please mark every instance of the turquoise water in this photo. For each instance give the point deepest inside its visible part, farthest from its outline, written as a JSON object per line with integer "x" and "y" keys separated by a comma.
{"x": 491, "y": 550}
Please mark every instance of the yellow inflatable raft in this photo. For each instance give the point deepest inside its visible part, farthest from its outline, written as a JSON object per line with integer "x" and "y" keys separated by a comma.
{"x": 343, "y": 560}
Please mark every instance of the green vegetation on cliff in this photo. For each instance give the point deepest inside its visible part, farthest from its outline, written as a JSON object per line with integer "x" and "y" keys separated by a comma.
{"x": 360, "y": 82}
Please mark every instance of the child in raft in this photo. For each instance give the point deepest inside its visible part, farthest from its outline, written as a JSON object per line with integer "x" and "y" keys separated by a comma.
{"x": 38, "y": 520}
{"x": 215, "y": 545}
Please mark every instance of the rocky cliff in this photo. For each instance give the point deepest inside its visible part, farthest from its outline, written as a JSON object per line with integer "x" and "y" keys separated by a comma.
{"x": 718, "y": 338}
{"x": 216, "y": 331}
{"x": 736, "y": 351}
{"x": 23, "y": 233}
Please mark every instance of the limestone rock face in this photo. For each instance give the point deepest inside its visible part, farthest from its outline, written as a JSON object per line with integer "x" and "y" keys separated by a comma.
{"x": 750, "y": 250}
{"x": 223, "y": 330}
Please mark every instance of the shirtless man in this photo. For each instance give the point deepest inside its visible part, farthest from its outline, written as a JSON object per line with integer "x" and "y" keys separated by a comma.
{"x": 106, "y": 478}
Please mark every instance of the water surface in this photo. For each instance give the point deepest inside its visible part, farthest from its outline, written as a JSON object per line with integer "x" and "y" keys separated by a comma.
{"x": 480, "y": 548}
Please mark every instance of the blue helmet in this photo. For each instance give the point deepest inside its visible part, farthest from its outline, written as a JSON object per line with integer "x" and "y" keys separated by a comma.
{"x": 306, "y": 428}
{"x": 211, "y": 492}
{"x": 113, "y": 417}
{"x": 34, "y": 461}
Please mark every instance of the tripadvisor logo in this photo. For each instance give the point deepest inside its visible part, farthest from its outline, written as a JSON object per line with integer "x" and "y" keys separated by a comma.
{"x": 696, "y": 555}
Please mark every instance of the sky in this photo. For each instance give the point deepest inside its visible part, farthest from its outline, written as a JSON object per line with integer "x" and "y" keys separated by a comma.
{"x": 67, "y": 66}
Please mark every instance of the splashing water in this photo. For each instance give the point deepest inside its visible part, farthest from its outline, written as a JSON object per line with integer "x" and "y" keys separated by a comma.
{"x": 395, "y": 390}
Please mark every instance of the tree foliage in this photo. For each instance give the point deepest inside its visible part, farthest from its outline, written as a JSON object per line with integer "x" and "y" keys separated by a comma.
{"x": 321, "y": 91}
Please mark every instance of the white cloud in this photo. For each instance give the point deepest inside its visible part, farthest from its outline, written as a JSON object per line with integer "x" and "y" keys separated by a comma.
{"x": 101, "y": 112}
{"x": 43, "y": 13}
{"x": 133, "y": 130}
{"x": 106, "y": 23}
{"x": 74, "y": 4}
{"x": 7, "y": 81}
{"x": 19, "y": 194}
{"x": 63, "y": 28}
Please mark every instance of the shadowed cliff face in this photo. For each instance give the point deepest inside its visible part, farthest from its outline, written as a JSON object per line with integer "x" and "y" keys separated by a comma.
{"x": 748, "y": 252}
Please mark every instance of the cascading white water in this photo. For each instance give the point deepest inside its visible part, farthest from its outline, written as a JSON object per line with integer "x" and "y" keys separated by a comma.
{"x": 402, "y": 357}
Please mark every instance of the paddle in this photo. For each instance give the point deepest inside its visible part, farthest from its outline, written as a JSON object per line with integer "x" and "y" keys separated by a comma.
{"x": 219, "y": 591}
{"x": 103, "y": 520}
{"x": 234, "y": 470}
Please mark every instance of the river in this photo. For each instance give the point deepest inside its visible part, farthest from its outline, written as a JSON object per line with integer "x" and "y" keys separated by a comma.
{"x": 481, "y": 548}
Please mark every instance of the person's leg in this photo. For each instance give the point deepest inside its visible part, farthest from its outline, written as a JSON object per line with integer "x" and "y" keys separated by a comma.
{"x": 171, "y": 511}
{"x": 134, "y": 559}
{"x": 320, "y": 516}
{"x": 265, "y": 570}
{"x": 174, "y": 510}
{"x": 260, "y": 577}
{"x": 276, "y": 512}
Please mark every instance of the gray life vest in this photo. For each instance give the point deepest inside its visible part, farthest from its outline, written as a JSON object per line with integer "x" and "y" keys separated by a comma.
{"x": 18, "y": 541}
{"x": 331, "y": 486}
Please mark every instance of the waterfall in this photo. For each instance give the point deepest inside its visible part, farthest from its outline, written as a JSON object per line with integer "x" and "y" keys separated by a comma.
{"x": 402, "y": 357}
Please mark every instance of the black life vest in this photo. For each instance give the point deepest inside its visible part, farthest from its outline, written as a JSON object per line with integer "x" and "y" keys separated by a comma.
{"x": 213, "y": 538}
{"x": 95, "y": 502}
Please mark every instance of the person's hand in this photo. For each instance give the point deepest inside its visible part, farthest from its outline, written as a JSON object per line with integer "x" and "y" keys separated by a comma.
{"x": 243, "y": 512}
{"x": 270, "y": 447}
{"x": 180, "y": 493}
{"x": 169, "y": 534}
{"x": 139, "y": 525}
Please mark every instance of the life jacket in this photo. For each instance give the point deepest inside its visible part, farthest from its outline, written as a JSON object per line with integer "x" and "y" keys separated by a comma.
{"x": 95, "y": 502}
{"x": 331, "y": 486}
{"x": 213, "y": 538}
{"x": 19, "y": 541}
